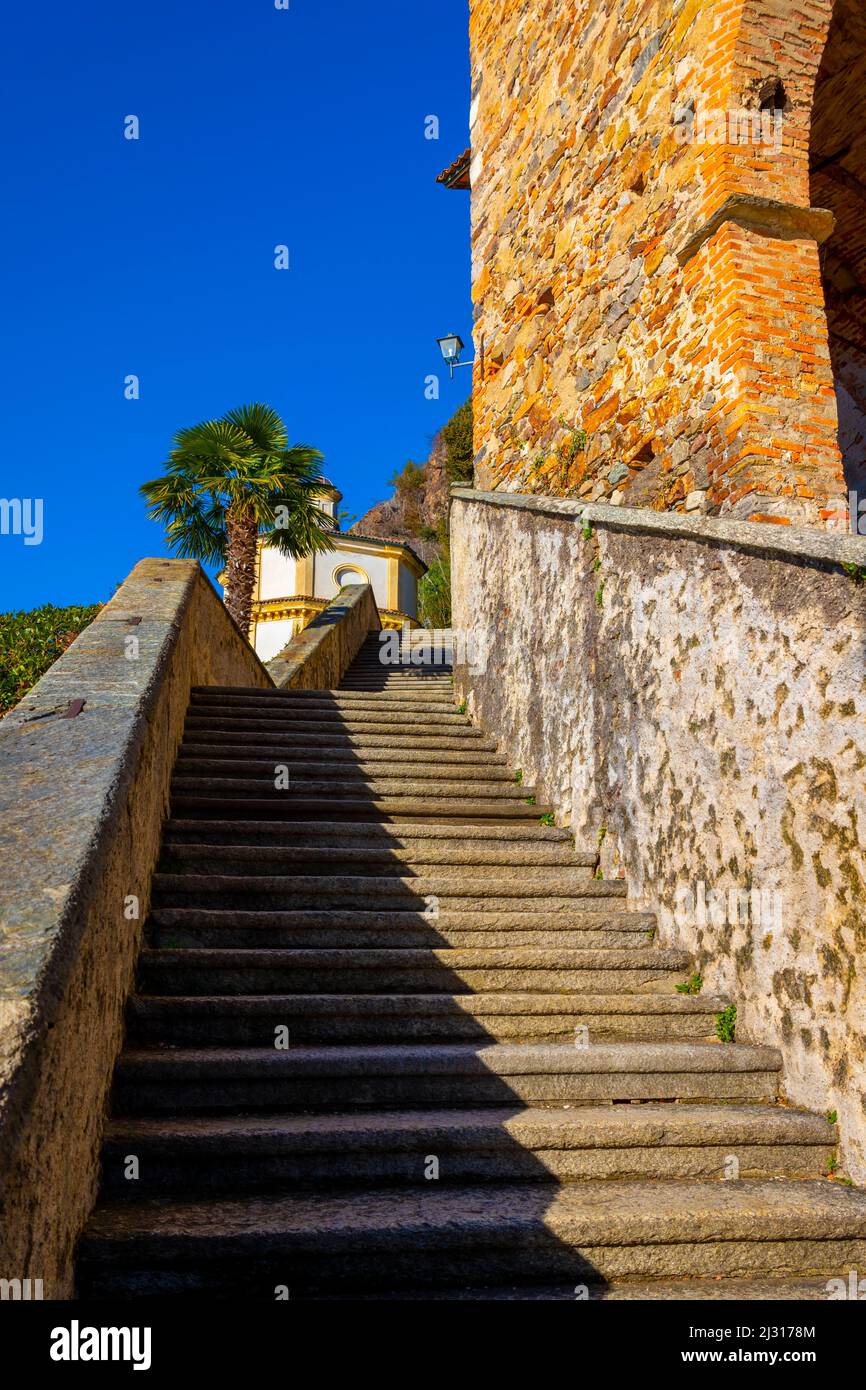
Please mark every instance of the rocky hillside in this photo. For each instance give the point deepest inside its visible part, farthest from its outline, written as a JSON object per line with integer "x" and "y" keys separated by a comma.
{"x": 417, "y": 511}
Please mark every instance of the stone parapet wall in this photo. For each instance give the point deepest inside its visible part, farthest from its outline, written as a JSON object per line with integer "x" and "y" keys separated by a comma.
{"x": 692, "y": 698}
{"x": 318, "y": 657}
{"x": 83, "y": 794}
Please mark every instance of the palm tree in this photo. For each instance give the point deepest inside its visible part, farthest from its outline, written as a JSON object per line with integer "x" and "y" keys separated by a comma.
{"x": 229, "y": 481}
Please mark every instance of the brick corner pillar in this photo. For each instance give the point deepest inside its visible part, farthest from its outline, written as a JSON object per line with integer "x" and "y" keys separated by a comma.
{"x": 754, "y": 261}
{"x": 776, "y": 458}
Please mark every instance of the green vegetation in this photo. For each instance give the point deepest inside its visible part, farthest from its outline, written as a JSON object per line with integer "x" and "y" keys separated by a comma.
{"x": 434, "y": 594}
{"x": 856, "y": 573}
{"x": 518, "y": 776}
{"x": 832, "y": 1117}
{"x": 31, "y": 642}
{"x": 693, "y": 985}
{"x": 547, "y": 818}
{"x": 576, "y": 444}
{"x": 408, "y": 483}
{"x": 459, "y": 449}
{"x": 726, "y": 1024}
{"x": 231, "y": 480}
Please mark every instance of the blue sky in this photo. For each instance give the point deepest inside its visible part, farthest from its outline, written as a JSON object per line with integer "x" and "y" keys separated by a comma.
{"x": 155, "y": 257}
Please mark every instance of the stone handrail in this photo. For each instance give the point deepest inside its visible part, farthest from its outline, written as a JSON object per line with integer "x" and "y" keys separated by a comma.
{"x": 86, "y": 761}
{"x": 836, "y": 547}
{"x": 317, "y": 658}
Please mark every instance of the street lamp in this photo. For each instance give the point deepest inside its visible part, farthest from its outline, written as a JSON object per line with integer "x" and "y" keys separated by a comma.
{"x": 451, "y": 347}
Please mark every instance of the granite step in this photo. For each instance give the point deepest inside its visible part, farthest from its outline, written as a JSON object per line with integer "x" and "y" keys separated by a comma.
{"x": 169, "y": 928}
{"x": 348, "y": 777}
{"x": 582, "y": 1232}
{"x": 506, "y": 856}
{"x": 251, "y": 1020}
{"x": 188, "y": 970}
{"x": 306, "y": 701}
{"x": 467, "y": 741}
{"x": 301, "y": 716}
{"x": 411, "y": 684}
{"x": 342, "y": 755}
{"x": 713, "y": 1289}
{"x": 335, "y": 733}
{"x": 511, "y": 839}
{"x": 376, "y": 809}
{"x": 421, "y": 672}
{"x": 440, "y": 1075}
{"x": 243, "y": 1153}
{"x": 558, "y": 890}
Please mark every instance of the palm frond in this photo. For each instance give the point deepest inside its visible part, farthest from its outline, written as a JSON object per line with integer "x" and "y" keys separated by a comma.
{"x": 262, "y": 426}
{"x": 241, "y": 462}
{"x": 305, "y": 530}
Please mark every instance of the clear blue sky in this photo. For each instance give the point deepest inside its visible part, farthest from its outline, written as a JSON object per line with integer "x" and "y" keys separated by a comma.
{"x": 156, "y": 257}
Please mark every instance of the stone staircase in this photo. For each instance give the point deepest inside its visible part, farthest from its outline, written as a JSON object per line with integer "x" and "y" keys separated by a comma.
{"x": 437, "y": 1126}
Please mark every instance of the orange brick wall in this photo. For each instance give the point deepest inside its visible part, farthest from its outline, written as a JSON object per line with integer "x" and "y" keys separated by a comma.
{"x": 625, "y": 350}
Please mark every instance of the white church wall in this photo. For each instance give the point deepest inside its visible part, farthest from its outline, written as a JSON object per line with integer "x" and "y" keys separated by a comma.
{"x": 407, "y": 591}
{"x": 374, "y": 566}
{"x": 272, "y": 637}
{"x": 277, "y": 575}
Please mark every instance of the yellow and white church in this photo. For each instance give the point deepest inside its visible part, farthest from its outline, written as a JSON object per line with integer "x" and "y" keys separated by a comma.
{"x": 290, "y": 593}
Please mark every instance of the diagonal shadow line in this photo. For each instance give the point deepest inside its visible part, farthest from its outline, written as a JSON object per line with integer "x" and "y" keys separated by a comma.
{"x": 467, "y": 1108}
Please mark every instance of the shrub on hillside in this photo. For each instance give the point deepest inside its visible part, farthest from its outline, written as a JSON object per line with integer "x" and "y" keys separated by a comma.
{"x": 459, "y": 453}
{"x": 434, "y": 594}
{"x": 31, "y": 642}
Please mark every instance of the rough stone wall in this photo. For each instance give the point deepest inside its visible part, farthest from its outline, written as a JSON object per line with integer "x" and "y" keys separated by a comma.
{"x": 702, "y": 702}
{"x": 650, "y": 326}
{"x": 82, "y": 803}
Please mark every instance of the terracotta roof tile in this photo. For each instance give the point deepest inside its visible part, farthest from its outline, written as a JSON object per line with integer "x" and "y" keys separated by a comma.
{"x": 457, "y": 174}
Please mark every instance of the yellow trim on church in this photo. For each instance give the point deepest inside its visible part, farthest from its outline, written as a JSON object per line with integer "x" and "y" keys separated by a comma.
{"x": 302, "y": 610}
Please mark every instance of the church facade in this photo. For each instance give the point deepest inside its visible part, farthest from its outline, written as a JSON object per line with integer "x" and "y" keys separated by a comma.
{"x": 290, "y": 593}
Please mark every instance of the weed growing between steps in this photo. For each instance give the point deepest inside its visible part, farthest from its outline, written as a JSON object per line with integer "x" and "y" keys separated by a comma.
{"x": 726, "y": 1024}
{"x": 693, "y": 985}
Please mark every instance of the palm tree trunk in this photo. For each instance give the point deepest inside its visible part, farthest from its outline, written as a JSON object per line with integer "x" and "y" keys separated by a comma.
{"x": 241, "y": 537}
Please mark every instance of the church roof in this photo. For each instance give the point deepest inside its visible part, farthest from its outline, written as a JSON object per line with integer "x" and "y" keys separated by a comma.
{"x": 382, "y": 540}
{"x": 457, "y": 174}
